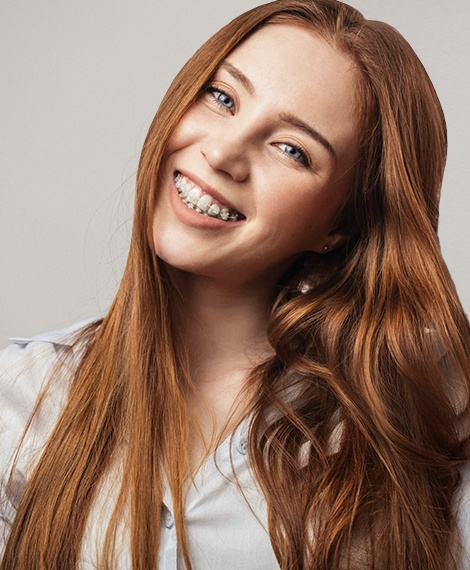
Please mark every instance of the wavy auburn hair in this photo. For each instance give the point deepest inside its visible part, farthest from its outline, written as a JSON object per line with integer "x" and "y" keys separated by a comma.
{"x": 356, "y": 426}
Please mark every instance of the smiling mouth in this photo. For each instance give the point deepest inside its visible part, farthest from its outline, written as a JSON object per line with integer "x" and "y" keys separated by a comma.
{"x": 203, "y": 203}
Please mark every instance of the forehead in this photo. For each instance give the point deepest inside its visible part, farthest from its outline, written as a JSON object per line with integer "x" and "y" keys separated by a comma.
{"x": 294, "y": 70}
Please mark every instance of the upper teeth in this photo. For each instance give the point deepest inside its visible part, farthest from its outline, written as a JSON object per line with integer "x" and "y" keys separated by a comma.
{"x": 195, "y": 199}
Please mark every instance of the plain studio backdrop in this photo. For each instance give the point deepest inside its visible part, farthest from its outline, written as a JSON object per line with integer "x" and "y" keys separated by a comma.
{"x": 81, "y": 81}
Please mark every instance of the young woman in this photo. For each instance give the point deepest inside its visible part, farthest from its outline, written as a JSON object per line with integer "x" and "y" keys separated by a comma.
{"x": 282, "y": 379}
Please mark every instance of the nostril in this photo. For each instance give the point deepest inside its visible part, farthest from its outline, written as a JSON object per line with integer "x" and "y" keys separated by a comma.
{"x": 227, "y": 157}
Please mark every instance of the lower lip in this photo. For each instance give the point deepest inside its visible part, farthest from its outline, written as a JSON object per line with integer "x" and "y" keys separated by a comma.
{"x": 192, "y": 218}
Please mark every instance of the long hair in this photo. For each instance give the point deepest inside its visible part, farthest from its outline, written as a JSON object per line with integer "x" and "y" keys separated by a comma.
{"x": 355, "y": 424}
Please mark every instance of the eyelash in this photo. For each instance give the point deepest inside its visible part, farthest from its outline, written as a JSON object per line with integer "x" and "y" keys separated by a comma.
{"x": 212, "y": 90}
{"x": 303, "y": 160}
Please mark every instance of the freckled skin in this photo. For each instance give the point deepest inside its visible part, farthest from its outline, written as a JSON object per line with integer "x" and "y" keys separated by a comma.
{"x": 286, "y": 183}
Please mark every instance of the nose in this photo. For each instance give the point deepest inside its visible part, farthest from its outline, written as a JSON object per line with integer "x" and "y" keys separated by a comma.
{"x": 227, "y": 152}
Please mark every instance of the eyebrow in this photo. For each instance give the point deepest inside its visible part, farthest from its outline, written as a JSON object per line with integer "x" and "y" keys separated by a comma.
{"x": 314, "y": 134}
{"x": 239, "y": 76}
{"x": 288, "y": 118}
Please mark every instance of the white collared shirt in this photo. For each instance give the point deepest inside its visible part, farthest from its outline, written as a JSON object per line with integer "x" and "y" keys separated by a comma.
{"x": 226, "y": 527}
{"x": 225, "y": 521}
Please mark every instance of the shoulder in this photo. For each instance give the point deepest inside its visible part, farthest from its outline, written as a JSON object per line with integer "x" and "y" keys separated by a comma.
{"x": 27, "y": 362}
{"x": 25, "y": 367}
{"x": 462, "y": 510}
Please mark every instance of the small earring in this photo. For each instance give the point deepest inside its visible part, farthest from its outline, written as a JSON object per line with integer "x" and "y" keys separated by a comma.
{"x": 325, "y": 248}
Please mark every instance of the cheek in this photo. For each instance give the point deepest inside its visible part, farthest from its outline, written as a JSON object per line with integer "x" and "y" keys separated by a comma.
{"x": 187, "y": 132}
{"x": 307, "y": 216}
{"x": 313, "y": 206}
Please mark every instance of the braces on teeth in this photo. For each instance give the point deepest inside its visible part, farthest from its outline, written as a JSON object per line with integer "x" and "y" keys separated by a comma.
{"x": 195, "y": 199}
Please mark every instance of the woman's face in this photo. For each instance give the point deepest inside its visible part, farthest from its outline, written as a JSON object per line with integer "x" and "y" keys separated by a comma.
{"x": 259, "y": 167}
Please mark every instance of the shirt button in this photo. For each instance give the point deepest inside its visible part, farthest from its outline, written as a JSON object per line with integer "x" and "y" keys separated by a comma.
{"x": 242, "y": 446}
{"x": 169, "y": 522}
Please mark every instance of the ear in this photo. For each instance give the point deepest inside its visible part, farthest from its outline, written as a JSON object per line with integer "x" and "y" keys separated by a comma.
{"x": 333, "y": 240}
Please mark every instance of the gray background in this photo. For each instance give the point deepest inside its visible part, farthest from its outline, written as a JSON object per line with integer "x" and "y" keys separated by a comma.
{"x": 80, "y": 84}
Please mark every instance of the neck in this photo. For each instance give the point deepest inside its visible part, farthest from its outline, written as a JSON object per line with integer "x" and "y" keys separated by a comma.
{"x": 224, "y": 323}
{"x": 224, "y": 328}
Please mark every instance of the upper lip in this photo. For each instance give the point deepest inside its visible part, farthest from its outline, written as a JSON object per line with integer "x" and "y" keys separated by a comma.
{"x": 209, "y": 190}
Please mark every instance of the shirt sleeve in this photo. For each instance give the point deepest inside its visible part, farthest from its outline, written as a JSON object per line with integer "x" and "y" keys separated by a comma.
{"x": 462, "y": 511}
{"x": 24, "y": 370}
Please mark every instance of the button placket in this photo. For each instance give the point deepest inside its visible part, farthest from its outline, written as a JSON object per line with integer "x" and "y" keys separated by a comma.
{"x": 168, "y": 520}
{"x": 168, "y": 555}
{"x": 242, "y": 446}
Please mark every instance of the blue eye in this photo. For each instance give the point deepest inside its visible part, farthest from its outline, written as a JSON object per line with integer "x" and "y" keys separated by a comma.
{"x": 220, "y": 98}
{"x": 294, "y": 153}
